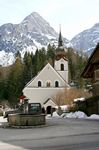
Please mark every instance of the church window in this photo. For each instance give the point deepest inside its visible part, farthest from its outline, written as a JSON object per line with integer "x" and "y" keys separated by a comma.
{"x": 56, "y": 84}
{"x": 39, "y": 83}
{"x": 48, "y": 84}
{"x": 62, "y": 67}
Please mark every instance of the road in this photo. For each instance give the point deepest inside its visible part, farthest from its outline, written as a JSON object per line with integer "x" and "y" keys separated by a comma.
{"x": 57, "y": 134}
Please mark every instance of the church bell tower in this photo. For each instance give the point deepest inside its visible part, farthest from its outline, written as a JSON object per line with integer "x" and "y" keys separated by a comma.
{"x": 61, "y": 62}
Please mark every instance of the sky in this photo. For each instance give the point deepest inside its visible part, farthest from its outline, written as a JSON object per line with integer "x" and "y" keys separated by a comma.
{"x": 73, "y": 15}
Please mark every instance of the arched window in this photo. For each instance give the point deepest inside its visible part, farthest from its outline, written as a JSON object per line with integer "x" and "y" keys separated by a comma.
{"x": 39, "y": 83}
{"x": 56, "y": 84}
{"x": 48, "y": 84}
{"x": 62, "y": 67}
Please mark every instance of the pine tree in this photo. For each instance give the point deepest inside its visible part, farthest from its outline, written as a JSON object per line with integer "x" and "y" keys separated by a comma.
{"x": 71, "y": 64}
{"x": 51, "y": 54}
{"x": 76, "y": 65}
{"x": 15, "y": 82}
{"x": 40, "y": 59}
{"x": 28, "y": 66}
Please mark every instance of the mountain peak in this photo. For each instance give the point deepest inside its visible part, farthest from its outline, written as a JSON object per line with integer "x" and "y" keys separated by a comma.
{"x": 32, "y": 33}
{"x": 87, "y": 40}
{"x": 35, "y": 23}
{"x": 35, "y": 14}
{"x": 32, "y": 16}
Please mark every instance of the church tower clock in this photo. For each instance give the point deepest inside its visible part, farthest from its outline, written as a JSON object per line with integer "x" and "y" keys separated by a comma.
{"x": 61, "y": 62}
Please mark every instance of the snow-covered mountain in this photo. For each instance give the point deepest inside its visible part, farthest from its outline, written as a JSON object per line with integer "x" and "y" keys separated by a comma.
{"x": 86, "y": 40}
{"x": 32, "y": 33}
{"x": 35, "y": 32}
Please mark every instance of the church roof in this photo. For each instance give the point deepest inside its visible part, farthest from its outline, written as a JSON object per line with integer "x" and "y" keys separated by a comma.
{"x": 51, "y": 69}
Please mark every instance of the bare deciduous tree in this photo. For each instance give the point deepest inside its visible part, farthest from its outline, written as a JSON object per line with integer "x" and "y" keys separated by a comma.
{"x": 67, "y": 96}
{"x": 58, "y": 98}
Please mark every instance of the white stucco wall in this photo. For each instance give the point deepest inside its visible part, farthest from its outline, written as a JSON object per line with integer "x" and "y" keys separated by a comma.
{"x": 64, "y": 75}
{"x": 58, "y": 63}
{"x": 57, "y": 67}
{"x": 40, "y": 94}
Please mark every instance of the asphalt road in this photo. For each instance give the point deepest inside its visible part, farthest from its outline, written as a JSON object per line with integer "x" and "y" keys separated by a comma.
{"x": 57, "y": 134}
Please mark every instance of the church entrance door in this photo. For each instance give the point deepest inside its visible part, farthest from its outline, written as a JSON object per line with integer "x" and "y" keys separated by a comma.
{"x": 49, "y": 110}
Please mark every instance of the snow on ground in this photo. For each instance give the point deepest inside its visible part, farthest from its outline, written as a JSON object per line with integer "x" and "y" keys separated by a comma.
{"x": 77, "y": 114}
{"x": 94, "y": 116}
{"x": 6, "y": 58}
{"x": 2, "y": 120}
{"x": 55, "y": 115}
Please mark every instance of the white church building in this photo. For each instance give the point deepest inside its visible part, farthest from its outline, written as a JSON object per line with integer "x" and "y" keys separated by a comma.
{"x": 50, "y": 80}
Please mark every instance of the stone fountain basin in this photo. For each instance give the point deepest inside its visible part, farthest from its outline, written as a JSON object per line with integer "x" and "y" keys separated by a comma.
{"x": 26, "y": 119}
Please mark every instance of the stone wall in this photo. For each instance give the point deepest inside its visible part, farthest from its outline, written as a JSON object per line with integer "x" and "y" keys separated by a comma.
{"x": 26, "y": 119}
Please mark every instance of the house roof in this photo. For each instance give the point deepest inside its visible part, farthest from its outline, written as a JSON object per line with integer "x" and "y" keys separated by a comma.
{"x": 92, "y": 61}
{"x": 49, "y": 99}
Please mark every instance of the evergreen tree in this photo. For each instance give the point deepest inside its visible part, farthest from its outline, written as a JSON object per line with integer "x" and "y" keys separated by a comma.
{"x": 2, "y": 89}
{"x": 51, "y": 54}
{"x": 40, "y": 59}
{"x": 76, "y": 65}
{"x": 28, "y": 67}
{"x": 36, "y": 61}
{"x": 15, "y": 83}
{"x": 71, "y": 64}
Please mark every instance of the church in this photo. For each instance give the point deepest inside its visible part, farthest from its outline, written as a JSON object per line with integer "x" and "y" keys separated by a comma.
{"x": 50, "y": 80}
